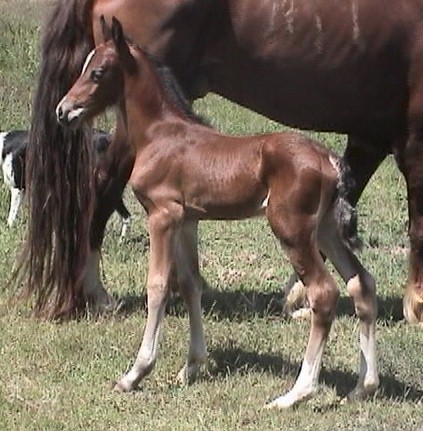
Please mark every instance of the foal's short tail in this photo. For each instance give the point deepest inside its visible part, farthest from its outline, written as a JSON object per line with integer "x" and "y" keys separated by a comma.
{"x": 345, "y": 213}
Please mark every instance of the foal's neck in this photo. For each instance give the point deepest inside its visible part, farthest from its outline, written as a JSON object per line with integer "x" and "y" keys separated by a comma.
{"x": 146, "y": 103}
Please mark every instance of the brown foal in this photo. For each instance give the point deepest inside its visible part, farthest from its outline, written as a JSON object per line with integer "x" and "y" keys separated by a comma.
{"x": 184, "y": 171}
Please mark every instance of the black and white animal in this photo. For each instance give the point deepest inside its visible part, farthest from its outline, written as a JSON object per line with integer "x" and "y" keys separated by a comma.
{"x": 13, "y": 146}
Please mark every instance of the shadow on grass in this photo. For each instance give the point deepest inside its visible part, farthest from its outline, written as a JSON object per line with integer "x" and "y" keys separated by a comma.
{"x": 240, "y": 304}
{"x": 237, "y": 361}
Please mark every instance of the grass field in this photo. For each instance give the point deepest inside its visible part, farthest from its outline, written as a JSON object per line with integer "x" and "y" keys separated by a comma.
{"x": 58, "y": 376}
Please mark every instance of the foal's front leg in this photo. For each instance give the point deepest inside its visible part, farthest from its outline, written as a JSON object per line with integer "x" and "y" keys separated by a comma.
{"x": 162, "y": 235}
{"x": 190, "y": 286}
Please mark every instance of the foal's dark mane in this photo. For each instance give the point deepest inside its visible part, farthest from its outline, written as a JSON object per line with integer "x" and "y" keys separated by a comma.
{"x": 175, "y": 93}
{"x": 172, "y": 88}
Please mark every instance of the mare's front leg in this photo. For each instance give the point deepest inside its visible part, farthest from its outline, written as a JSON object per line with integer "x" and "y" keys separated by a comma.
{"x": 113, "y": 171}
{"x": 162, "y": 231}
{"x": 296, "y": 233}
{"x": 190, "y": 287}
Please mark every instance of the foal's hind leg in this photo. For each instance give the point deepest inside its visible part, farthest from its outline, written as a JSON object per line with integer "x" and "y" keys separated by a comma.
{"x": 162, "y": 237}
{"x": 363, "y": 158}
{"x": 361, "y": 287}
{"x": 190, "y": 285}
{"x": 297, "y": 234}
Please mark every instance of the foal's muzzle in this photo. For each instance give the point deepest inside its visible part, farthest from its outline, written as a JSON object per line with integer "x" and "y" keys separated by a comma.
{"x": 68, "y": 114}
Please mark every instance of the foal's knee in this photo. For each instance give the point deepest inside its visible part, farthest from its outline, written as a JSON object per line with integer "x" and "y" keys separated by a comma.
{"x": 158, "y": 290}
{"x": 362, "y": 290}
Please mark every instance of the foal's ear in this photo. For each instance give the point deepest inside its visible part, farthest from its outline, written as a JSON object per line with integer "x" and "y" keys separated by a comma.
{"x": 122, "y": 45}
{"x": 105, "y": 29}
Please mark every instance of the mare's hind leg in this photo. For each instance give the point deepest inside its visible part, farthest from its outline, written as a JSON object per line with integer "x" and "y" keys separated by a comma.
{"x": 161, "y": 261}
{"x": 413, "y": 172}
{"x": 296, "y": 233}
{"x": 361, "y": 287}
{"x": 190, "y": 285}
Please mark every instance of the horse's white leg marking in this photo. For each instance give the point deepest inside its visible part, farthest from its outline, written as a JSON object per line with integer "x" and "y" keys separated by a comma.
{"x": 190, "y": 285}
{"x": 94, "y": 293}
{"x": 307, "y": 382}
{"x": 322, "y": 293}
{"x": 361, "y": 287}
{"x": 15, "y": 202}
{"x": 368, "y": 379}
{"x": 147, "y": 353}
{"x": 162, "y": 236}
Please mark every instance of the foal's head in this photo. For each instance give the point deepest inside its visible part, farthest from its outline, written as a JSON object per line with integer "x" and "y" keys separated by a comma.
{"x": 100, "y": 84}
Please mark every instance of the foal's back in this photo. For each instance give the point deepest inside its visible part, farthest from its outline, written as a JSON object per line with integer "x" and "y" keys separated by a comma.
{"x": 228, "y": 177}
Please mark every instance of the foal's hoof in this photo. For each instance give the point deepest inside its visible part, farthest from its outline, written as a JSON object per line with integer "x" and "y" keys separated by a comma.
{"x": 302, "y": 314}
{"x": 361, "y": 393}
{"x": 290, "y": 399}
{"x": 121, "y": 388}
{"x": 187, "y": 375}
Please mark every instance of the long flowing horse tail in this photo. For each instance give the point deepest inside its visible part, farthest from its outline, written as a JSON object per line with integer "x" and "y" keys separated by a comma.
{"x": 60, "y": 179}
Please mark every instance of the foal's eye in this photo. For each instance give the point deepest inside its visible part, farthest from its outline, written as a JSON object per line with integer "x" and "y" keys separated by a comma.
{"x": 96, "y": 75}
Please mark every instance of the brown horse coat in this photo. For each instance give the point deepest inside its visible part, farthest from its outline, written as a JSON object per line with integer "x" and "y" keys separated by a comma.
{"x": 350, "y": 66}
{"x": 185, "y": 172}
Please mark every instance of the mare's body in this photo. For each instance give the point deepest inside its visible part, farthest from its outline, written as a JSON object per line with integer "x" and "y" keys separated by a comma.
{"x": 349, "y": 67}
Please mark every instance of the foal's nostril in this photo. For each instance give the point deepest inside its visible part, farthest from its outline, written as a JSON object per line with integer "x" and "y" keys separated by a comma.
{"x": 61, "y": 115}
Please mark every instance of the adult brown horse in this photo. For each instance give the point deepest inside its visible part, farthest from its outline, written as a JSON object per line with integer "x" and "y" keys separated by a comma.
{"x": 352, "y": 66}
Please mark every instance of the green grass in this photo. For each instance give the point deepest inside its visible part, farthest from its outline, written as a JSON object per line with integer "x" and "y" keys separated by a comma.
{"x": 58, "y": 376}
